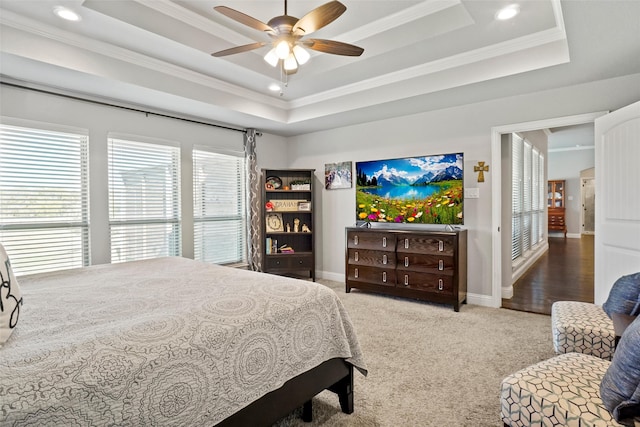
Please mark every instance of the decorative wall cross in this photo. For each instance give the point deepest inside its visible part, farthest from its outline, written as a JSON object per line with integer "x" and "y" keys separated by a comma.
{"x": 481, "y": 169}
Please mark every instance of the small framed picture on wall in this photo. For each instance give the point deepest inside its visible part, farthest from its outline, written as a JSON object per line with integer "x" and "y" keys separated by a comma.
{"x": 337, "y": 175}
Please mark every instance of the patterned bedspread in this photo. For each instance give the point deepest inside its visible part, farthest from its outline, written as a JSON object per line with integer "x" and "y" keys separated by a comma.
{"x": 163, "y": 342}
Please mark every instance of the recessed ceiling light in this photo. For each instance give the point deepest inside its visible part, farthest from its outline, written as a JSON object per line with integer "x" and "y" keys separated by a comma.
{"x": 274, "y": 87}
{"x": 66, "y": 13}
{"x": 508, "y": 12}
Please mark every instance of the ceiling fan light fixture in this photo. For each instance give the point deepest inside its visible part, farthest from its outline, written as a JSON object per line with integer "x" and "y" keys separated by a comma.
{"x": 290, "y": 63}
{"x": 282, "y": 49}
{"x": 272, "y": 58}
{"x": 302, "y": 56}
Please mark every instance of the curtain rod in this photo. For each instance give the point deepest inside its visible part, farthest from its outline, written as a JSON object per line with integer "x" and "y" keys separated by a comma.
{"x": 107, "y": 104}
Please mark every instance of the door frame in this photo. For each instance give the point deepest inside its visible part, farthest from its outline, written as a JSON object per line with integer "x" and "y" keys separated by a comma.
{"x": 497, "y": 290}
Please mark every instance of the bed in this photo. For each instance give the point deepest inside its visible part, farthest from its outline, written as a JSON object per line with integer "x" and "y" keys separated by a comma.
{"x": 173, "y": 342}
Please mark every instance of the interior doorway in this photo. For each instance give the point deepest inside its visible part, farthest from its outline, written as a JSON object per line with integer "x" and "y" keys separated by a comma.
{"x": 503, "y": 278}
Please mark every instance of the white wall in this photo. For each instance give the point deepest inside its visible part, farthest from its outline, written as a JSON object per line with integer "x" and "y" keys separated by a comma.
{"x": 567, "y": 165}
{"x": 459, "y": 129}
{"x": 101, "y": 120}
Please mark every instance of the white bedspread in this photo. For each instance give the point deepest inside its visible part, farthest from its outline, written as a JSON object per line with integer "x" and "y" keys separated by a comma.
{"x": 163, "y": 342}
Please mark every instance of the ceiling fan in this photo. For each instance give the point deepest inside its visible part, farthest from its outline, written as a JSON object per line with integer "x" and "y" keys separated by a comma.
{"x": 287, "y": 36}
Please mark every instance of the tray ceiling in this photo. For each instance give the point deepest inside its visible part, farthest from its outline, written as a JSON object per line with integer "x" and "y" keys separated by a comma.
{"x": 419, "y": 55}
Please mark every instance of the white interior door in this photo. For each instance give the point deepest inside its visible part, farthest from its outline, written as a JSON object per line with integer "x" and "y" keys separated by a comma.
{"x": 617, "y": 235}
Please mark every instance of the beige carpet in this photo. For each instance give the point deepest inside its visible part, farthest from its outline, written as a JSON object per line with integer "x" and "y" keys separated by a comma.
{"x": 431, "y": 366}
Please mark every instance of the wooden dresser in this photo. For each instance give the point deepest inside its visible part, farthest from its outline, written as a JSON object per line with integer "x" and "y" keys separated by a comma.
{"x": 425, "y": 265}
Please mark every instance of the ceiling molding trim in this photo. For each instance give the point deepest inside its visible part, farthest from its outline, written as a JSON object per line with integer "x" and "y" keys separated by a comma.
{"x": 195, "y": 20}
{"x": 541, "y": 38}
{"x": 134, "y": 58}
{"x": 582, "y": 147}
{"x": 420, "y": 10}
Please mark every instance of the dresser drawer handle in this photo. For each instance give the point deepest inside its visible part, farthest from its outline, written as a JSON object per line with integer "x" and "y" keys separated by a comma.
{"x": 440, "y": 245}
{"x": 440, "y": 265}
{"x": 406, "y": 243}
{"x": 384, "y": 259}
{"x": 406, "y": 261}
{"x": 356, "y": 274}
{"x": 384, "y": 276}
{"x": 356, "y": 256}
{"x": 406, "y": 280}
{"x": 440, "y": 285}
{"x": 301, "y": 261}
{"x": 355, "y": 240}
{"x": 384, "y": 242}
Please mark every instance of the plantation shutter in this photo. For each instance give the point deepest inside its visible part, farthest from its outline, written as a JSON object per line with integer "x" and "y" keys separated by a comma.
{"x": 517, "y": 158}
{"x": 44, "y": 199}
{"x": 220, "y": 213}
{"x": 144, "y": 200}
{"x": 535, "y": 197}
{"x": 526, "y": 198}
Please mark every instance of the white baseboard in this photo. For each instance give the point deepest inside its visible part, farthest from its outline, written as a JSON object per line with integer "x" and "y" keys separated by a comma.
{"x": 507, "y": 292}
{"x": 569, "y": 235}
{"x": 329, "y": 275}
{"x": 483, "y": 300}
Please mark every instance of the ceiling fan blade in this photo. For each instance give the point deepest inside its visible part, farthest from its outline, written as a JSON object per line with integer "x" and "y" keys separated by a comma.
{"x": 333, "y": 47}
{"x": 244, "y": 19}
{"x": 318, "y": 18}
{"x": 239, "y": 49}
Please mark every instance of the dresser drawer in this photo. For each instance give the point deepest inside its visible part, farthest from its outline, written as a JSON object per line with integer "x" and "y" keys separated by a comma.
{"x": 377, "y": 241}
{"x": 425, "y": 282}
{"x": 375, "y": 276}
{"x": 426, "y": 244}
{"x": 435, "y": 264}
{"x": 367, "y": 257}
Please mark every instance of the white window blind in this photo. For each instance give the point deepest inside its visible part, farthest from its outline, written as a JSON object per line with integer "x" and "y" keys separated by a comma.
{"x": 528, "y": 197}
{"x": 220, "y": 214}
{"x": 144, "y": 200}
{"x": 517, "y": 172}
{"x": 44, "y": 199}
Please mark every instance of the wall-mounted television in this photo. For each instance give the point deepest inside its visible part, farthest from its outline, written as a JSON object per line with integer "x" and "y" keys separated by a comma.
{"x": 411, "y": 190}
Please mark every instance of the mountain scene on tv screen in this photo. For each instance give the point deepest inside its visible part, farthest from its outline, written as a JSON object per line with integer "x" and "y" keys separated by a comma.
{"x": 420, "y": 190}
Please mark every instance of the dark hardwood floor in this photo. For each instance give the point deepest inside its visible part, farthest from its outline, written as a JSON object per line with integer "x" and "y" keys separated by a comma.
{"x": 564, "y": 273}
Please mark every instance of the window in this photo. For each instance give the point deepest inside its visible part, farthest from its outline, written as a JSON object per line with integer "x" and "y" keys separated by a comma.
{"x": 527, "y": 197}
{"x": 144, "y": 200}
{"x": 44, "y": 199}
{"x": 219, "y": 208}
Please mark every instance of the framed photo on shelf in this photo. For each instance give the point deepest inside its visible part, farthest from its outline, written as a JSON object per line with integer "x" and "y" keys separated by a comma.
{"x": 274, "y": 222}
{"x": 304, "y": 206}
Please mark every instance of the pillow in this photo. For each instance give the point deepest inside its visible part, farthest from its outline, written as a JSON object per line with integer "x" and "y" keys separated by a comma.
{"x": 10, "y": 298}
{"x": 624, "y": 295}
{"x": 620, "y": 386}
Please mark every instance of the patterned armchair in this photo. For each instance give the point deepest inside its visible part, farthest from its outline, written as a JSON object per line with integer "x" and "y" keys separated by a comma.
{"x": 587, "y": 328}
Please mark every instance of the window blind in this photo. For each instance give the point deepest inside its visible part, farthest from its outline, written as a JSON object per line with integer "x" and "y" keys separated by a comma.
{"x": 517, "y": 159}
{"x": 144, "y": 200}
{"x": 220, "y": 214}
{"x": 527, "y": 197}
{"x": 44, "y": 199}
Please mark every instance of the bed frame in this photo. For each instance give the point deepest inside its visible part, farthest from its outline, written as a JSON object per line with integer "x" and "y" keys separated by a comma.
{"x": 334, "y": 374}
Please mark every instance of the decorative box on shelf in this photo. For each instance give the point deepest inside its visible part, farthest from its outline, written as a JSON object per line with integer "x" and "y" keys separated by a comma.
{"x": 286, "y": 205}
{"x": 301, "y": 187}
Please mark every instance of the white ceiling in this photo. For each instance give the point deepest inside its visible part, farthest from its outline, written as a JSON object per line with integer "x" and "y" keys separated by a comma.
{"x": 419, "y": 56}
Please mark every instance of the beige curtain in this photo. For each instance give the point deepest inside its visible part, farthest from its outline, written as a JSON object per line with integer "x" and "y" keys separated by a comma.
{"x": 254, "y": 240}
